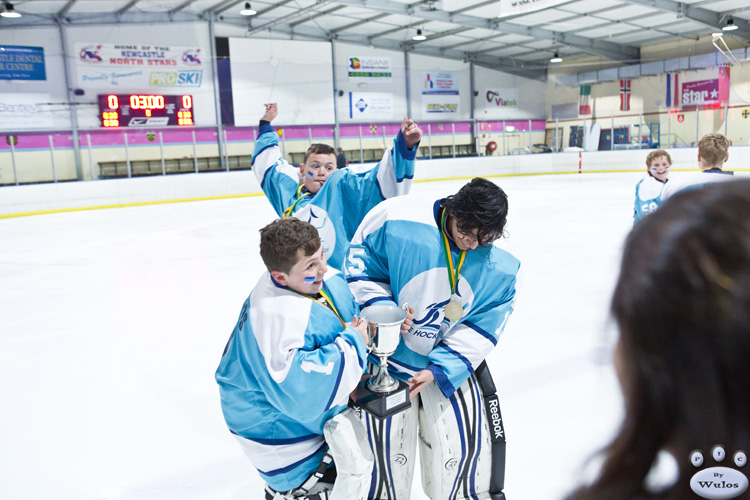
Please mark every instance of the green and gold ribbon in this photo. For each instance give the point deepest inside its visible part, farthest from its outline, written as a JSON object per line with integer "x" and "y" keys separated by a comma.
{"x": 452, "y": 275}
{"x": 289, "y": 211}
{"x": 328, "y": 305}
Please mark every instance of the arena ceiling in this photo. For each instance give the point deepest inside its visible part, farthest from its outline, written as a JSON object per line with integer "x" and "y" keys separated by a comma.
{"x": 487, "y": 32}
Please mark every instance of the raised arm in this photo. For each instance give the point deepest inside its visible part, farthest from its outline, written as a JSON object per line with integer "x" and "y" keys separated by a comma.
{"x": 278, "y": 179}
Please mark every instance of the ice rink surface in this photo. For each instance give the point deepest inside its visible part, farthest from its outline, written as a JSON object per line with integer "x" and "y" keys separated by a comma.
{"x": 113, "y": 323}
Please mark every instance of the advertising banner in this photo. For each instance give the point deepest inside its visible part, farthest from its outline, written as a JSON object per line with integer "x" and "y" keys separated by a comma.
{"x": 706, "y": 92}
{"x": 501, "y": 99}
{"x": 22, "y": 63}
{"x": 440, "y": 92}
{"x": 370, "y": 106}
{"x": 138, "y": 66}
{"x": 370, "y": 69}
{"x": 20, "y": 111}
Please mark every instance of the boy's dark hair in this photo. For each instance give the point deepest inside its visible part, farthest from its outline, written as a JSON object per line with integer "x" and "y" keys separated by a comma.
{"x": 479, "y": 205}
{"x": 281, "y": 240}
{"x": 319, "y": 149}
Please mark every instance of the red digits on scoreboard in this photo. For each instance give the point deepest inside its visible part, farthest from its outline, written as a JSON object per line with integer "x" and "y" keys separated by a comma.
{"x": 146, "y": 102}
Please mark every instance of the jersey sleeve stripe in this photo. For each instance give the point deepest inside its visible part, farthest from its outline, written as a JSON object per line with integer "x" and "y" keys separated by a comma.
{"x": 457, "y": 355}
{"x": 375, "y": 300}
{"x": 354, "y": 279}
{"x": 255, "y": 157}
{"x": 441, "y": 380}
{"x": 289, "y": 467}
{"x": 342, "y": 367}
{"x": 277, "y": 442}
{"x": 481, "y": 332}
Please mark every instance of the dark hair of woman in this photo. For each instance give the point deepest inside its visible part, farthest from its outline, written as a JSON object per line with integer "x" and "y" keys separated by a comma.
{"x": 682, "y": 305}
{"x": 479, "y": 205}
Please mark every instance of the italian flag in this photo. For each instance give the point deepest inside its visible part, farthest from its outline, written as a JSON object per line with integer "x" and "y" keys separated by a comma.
{"x": 584, "y": 105}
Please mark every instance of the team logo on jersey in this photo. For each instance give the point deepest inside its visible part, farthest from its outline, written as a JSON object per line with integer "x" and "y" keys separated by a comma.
{"x": 322, "y": 222}
{"x": 451, "y": 465}
{"x": 428, "y": 293}
{"x": 400, "y": 459}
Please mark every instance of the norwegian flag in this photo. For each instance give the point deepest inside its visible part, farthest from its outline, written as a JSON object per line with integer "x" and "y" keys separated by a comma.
{"x": 624, "y": 95}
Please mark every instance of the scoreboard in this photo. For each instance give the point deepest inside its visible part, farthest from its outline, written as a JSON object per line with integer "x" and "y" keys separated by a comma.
{"x": 145, "y": 110}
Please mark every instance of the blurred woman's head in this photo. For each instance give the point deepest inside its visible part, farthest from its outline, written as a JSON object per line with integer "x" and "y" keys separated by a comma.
{"x": 682, "y": 304}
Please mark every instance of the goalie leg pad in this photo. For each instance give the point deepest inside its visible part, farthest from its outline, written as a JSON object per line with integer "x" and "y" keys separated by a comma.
{"x": 455, "y": 447}
{"x": 348, "y": 444}
{"x": 393, "y": 443}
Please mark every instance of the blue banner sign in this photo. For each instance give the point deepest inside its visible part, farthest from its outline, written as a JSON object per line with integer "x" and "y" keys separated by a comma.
{"x": 22, "y": 63}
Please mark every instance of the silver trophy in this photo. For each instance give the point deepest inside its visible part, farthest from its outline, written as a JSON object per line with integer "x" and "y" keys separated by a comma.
{"x": 382, "y": 395}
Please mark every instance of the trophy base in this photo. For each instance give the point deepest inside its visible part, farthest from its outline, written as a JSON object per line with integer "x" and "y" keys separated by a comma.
{"x": 381, "y": 405}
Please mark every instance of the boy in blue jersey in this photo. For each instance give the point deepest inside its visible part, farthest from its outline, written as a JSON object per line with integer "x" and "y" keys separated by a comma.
{"x": 295, "y": 355}
{"x": 334, "y": 201}
{"x": 648, "y": 190}
{"x": 438, "y": 256}
{"x": 713, "y": 152}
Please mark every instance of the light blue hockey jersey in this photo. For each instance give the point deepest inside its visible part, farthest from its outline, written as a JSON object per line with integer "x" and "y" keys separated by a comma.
{"x": 342, "y": 202}
{"x": 647, "y": 196}
{"x": 397, "y": 255}
{"x": 288, "y": 367}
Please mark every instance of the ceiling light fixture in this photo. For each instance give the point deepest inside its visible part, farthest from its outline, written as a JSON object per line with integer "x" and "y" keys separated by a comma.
{"x": 247, "y": 11}
{"x": 9, "y": 11}
{"x": 556, "y": 58}
{"x": 730, "y": 26}
{"x": 419, "y": 36}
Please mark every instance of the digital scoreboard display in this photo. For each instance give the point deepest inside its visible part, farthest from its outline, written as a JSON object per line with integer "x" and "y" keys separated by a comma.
{"x": 145, "y": 110}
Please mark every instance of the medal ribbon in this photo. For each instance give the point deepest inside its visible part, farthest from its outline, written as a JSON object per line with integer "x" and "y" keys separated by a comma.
{"x": 328, "y": 305}
{"x": 452, "y": 275}
{"x": 289, "y": 211}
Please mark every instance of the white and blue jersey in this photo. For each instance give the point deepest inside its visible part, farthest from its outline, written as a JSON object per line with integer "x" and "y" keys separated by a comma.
{"x": 345, "y": 198}
{"x": 397, "y": 255}
{"x": 288, "y": 367}
{"x": 696, "y": 181}
{"x": 647, "y": 196}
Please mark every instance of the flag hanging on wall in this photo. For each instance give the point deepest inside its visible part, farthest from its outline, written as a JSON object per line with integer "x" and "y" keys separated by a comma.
{"x": 724, "y": 83}
{"x": 673, "y": 90}
{"x": 624, "y": 95}
{"x": 584, "y": 105}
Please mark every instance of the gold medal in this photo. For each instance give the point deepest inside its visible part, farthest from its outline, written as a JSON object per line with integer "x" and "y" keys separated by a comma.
{"x": 454, "y": 311}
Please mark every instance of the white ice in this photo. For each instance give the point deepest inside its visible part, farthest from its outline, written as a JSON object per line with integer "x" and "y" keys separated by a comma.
{"x": 113, "y": 322}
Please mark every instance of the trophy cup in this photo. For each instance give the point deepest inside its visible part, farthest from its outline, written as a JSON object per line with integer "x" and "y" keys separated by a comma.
{"x": 382, "y": 395}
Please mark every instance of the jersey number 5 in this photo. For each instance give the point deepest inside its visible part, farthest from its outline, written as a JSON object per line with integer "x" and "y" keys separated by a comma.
{"x": 355, "y": 264}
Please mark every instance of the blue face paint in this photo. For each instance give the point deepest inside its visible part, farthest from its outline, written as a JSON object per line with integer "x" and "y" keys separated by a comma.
{"x": 309, "y": 279}
{"x": 310, "y": 174}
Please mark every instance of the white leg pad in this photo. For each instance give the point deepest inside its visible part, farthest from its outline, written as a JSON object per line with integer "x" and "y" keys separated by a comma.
{"x": 394, "y": 444}
{"x": 454, "y": 443}
{"x": 347, "y": 440}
